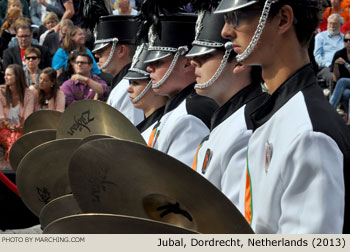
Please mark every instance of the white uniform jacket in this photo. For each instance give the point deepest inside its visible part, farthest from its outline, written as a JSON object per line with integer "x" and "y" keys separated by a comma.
{"x": 294, "y": 180}
{"x": 185, "y": 123}
{"x": 119, "y": 99}
{"x": 227, "y": 142}
{"x": 146, "y": 126}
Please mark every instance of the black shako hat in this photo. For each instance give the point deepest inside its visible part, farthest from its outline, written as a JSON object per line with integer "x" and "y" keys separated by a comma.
{"x": 232, "y": 5}
{"x": 137, "y": 71}
{"x": 115, "y": 28}
{"x": 208, "y": 34}
{"x": 177, "y": 32}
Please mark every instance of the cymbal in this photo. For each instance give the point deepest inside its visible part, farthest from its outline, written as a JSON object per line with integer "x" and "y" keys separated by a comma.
{"x": 110, "y": 224}
{"x": 130, "y": 179}
{"x": 57, "y": 208}
{"x": 87, "y": 117}
{"x": 42, "y": 175}
{"x": 41, "y": 119}
{"x": 27, "y": 142}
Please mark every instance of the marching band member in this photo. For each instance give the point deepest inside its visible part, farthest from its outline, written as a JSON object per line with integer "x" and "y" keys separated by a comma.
{"x": 294, "y": 181}
{"x": 187, "y": 116}
{"x": 141, "y": 93}
{"x": 235, "y": 88}
{"x": 115, "y": 39}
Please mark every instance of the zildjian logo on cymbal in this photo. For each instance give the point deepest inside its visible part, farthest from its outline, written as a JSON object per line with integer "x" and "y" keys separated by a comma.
{"x": 81, "y": 123}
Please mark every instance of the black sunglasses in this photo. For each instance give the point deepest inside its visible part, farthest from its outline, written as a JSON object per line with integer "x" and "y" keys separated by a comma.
{"x": 346, "y": 40}
{"x": 32, "y": 58}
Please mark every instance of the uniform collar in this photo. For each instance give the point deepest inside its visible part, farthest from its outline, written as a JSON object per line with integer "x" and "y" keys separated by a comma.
{"x": 178, "y": 98}
{"x": 298, "y": 81}
{"x": 241, "y": 98}
{"x": 154, "y": 117}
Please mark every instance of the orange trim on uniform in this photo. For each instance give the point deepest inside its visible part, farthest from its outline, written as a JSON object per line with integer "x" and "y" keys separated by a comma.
{"x": 248, "y": 204}
{"x": 195, "y": 160}
{"x": 151, "y": 137}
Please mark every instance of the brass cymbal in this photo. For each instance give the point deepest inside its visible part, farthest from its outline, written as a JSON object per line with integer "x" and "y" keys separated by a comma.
{"x": 57, "y": 208}
{"x": 41, "y": 119}
{"x": 110, "y": 224}
{"x": 27, "y": 142}
{"x": 87, "y": 117}
{"x": 126, "y": 178}
{"x": 42, "y": 175}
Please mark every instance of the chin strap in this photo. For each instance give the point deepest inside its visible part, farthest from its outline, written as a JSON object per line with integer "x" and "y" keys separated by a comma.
{"x": 115, "y": 41}
{"x": 180, "y": 51}
{"x": 228, "y": 47}
{"x": 143, "y": 92}
{"x": 258, "y": 31}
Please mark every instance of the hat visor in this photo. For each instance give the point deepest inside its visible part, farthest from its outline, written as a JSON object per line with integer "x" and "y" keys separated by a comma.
{"x": 131, "y": 75}
{"x": 99, "y": 46}
{"x": 156, "y": 55}
{"x": 232, "y": 5}
{"x": 199, "y": 50}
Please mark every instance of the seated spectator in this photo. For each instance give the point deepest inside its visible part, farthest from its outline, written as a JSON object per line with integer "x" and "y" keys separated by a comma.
{"x": 341, "y": 74}
{"x": 7, "y": 31}
{"x": 82, "y": 85}
{"x": 54, "y": 39}
{"x": 16, "y": 104}
{"x": 5, "y": 5}
{"x": 341, "y": 60}
{"x": 74, "y": 40}
{"x": 341, "y": 95}
{"x": 337, "y": 7}
{"x": 48, "y": 94}
{"x": 15, "y": 55}
{"x": 49, "y": 23}
{"x": 326, "y": 44}
{"x": 39, "y": 9}
{"x": 67, "y": 74}
{"x": 324, "y": 5}
{"x": 14, "y": 40}
{"x": 31, "y": 69}
{"x": 123, "y": 7}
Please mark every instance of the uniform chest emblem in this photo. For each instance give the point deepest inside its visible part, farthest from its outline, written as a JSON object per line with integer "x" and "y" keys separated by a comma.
{"x": 268, "y": 155}
{"x": 207, "y": 158}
